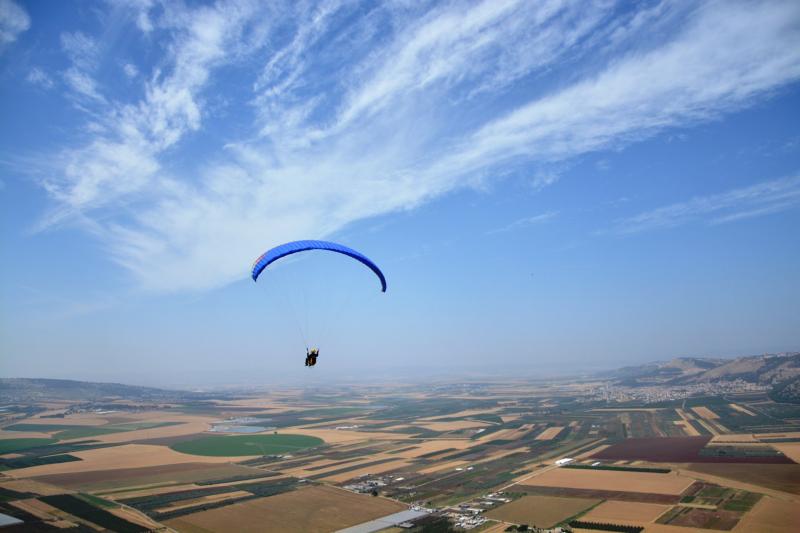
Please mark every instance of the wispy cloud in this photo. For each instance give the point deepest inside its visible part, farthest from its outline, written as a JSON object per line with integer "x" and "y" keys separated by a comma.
{"x": 130, "y": 70}
{"x": 13, "y": 21}
{"x": 524, "y": 222}
{"x": 355, "y": 111}
{"x": 40, "y": 78}
{"x": 756, "y": 200}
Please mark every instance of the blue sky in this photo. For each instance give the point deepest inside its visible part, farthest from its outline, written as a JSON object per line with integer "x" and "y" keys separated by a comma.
{"x": 549, "y": 186}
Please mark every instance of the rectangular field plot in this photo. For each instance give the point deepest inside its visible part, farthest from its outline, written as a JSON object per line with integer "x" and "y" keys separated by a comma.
{"x": 549, "y": 433}
{"x": 682, "y": 450}
{"x": 784, "y": 478}
{"x": 602, "y": 494}
{"x": 308, "y": 510}
{"x": 98, "y": 480}
{"x": 700, "y": 518}
{"x": 541, "y": 511}
{"x": 772, "y": 516}
{"x": 613, "y": 511}
{"x": 667, "y": 484}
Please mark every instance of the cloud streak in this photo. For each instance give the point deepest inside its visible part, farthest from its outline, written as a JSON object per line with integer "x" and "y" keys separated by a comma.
{"x": 746, "y": 202}
{"x": 524, "y": 222}
{"x": 353, "y": 112}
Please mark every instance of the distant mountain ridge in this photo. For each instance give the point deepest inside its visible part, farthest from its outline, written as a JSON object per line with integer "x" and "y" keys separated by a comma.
{"x": 780, "y": 371}
{"x": 15, "y": 389}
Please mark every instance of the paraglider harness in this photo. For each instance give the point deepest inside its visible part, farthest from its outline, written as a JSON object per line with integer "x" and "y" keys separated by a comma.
{"x": 311, "y": 356}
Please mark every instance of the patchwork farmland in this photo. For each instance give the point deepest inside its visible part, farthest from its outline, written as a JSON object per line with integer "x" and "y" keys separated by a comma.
{"x": 491, "y": 455}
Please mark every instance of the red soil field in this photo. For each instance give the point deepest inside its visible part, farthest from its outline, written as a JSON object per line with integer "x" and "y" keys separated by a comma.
{"x": 639, "y": 497}
{"x": 675, "y": 450}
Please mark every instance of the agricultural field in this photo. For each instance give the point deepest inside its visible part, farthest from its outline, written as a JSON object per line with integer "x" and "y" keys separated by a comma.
{"x": 246, "y": 445}
{"x": 312, "y": 510}
{"x": 616, "y": 511}
{"x": 651, "y": 483}
{"x": 707, "y": 462}
{"x": 541, "y": 511}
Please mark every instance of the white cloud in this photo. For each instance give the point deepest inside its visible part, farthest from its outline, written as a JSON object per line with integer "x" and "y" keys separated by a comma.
{"x": 760, "y": 199}
{"x": 362, "y": 116}
{"x": 728, "y": 55}
{"x": 82, "y": 83}
{"x": 123, "y": 159}
{"x": 81, "y": 49}
{"x": 39, "y": 77}
{"x": 524, "y": 222}
{"x": 130, "y": 70}
{"x": 13, "y": 21}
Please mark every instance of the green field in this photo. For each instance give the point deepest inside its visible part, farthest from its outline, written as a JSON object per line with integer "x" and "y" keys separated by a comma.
{"x": 67, "y": 432}
{"x": 15, "y": 445}
{"x": 239, "y": 445}
{"x": 42, "y": 428}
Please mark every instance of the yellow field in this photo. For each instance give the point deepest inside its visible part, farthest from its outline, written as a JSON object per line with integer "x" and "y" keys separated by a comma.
{"x": 611, "y": 480}
{"x": 24, "y": 435}
{"x": 549, "y": 433}
{"x": 453, "y": 426}
{"x": 127, "y": 455}
{"x": 741, "y": 409}
{"x": 37, "y": 508}
{"x": 612, "y": 511}
{"x": 591, "y": 451}
{"x": 463, "y": 414}
{"x": 336, "y": 436}
{"x": 705, "y": 412}
{"x": 315, "y": 509}
{"x": 784, "y": 435}
{"x": 204, "y": 499}
{"x": 789, "y": 449}
{"x": 29, "y": 485}
{"x": 741, "y": 438}
{"x": 540, "y": 511}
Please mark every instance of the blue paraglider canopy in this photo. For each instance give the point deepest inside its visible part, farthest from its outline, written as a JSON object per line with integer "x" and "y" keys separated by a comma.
{"x": 270, "y": 256}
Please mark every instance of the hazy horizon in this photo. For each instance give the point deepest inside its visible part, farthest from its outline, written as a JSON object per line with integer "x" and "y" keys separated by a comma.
{"x": 551, "y": 188}
{"x": 342, "y": 373}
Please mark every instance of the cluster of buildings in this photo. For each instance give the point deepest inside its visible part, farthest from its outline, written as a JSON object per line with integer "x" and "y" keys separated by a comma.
{"x": 661, "y": 392}
{"x": 468, "y": 515}
{"x": 369, "y": 483}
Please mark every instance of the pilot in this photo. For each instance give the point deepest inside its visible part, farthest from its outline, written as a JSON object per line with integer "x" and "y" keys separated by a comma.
{"x": 311, "y": 356}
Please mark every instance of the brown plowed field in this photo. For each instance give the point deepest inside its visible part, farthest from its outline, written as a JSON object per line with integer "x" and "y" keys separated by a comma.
{"x": 132, "y": 477}
{"x": 665, "y": 450}
{"x": 331, "y": 509}
{"x": 716, "y": 519}
{"x": 622, "y": 496}
{"x": 784, "y": 478}
{"x": 676, "y": 450}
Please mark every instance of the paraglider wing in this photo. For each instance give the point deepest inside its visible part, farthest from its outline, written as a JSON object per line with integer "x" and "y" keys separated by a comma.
{"x": 270, "y": 256}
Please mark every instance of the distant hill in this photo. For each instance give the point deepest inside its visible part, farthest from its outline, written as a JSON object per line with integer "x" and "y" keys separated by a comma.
{"x": 781, "y": 371}
{"x": 26, "y": 389}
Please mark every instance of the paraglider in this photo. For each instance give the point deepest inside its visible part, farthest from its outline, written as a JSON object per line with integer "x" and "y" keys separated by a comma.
{"x": 274, "y": 254}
